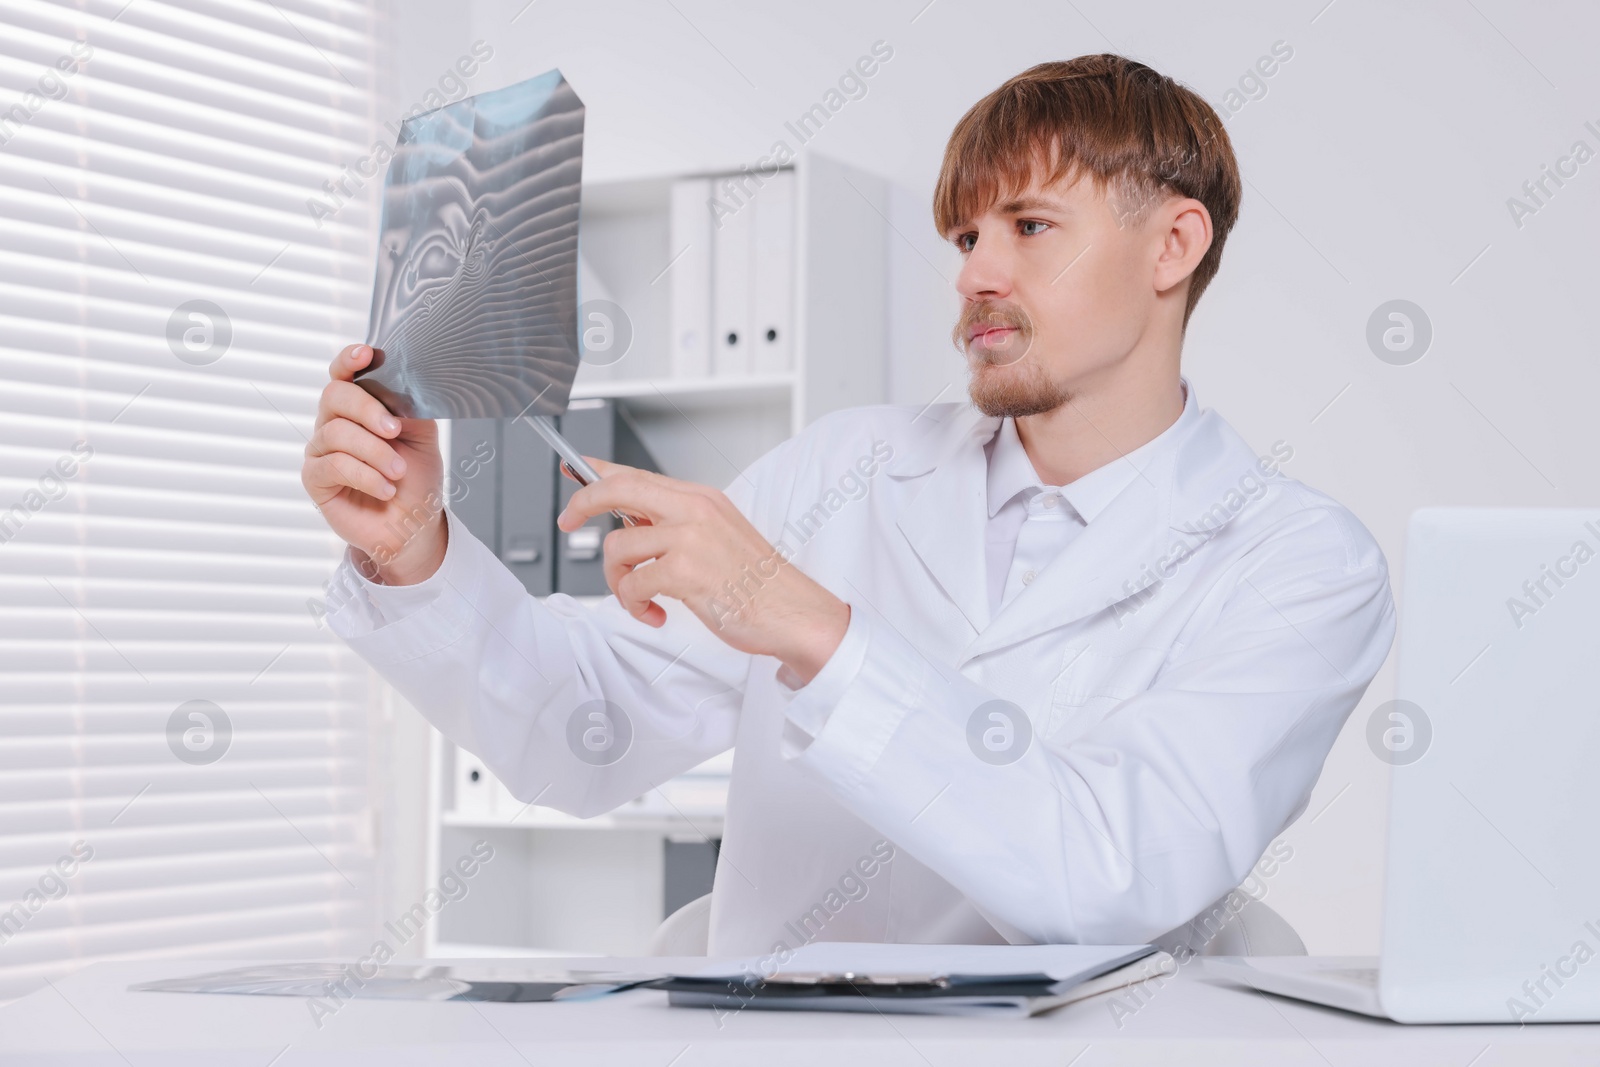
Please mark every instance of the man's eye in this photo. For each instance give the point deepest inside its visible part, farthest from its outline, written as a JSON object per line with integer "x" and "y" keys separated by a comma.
{"x": 1032, "y": 222}
{"x": 961, "y": 242}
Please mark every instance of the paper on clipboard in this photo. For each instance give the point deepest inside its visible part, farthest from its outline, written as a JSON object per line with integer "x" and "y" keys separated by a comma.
{"x": 996, "y": 980}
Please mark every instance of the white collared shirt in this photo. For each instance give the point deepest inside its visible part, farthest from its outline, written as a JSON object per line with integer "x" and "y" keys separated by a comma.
{"x": 1031, "y": 523}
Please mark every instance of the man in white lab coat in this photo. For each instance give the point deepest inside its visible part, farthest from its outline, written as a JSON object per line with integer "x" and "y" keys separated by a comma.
{"x": 1052, "y": 665}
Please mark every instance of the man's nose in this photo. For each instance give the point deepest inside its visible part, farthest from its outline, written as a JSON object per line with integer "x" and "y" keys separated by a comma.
{"x": 987, "y": 271}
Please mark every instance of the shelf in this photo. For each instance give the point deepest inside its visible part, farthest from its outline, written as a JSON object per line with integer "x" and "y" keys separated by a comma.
{"x": 692, "y": 803}
{"x": 674, "y": 394}
{"x": 699, "y": 823}
{"x": 593, "y": 889}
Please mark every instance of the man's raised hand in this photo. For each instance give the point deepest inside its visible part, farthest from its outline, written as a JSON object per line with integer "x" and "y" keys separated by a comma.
{"x": 377, "y": 479}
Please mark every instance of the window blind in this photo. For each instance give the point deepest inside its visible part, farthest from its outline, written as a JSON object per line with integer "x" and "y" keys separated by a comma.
{"x": 182, "y": 745}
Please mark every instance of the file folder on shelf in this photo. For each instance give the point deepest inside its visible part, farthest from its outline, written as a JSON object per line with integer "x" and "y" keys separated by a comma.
{"x": 732, "y": 243}
{"x": 472, "y": 479}
{"x": 689, "y": 276}
{"x": 479, "y": 794}
{"x": 502, "y": 488}
{"x": 772, "y": 315}
{"x": 602, "y": 429}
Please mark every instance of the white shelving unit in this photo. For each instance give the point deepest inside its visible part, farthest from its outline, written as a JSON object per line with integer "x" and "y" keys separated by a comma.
{"x": 560, "y": 884}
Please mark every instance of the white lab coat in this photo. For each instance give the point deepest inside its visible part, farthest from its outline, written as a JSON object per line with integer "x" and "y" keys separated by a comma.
{"x": 1185, "y": 666}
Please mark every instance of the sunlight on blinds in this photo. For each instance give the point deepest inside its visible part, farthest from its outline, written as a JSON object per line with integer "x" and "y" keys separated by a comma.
{"x": 182, "y": 746}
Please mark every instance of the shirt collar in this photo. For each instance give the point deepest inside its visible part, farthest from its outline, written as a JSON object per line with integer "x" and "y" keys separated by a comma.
{"x": 1011, "y": 472}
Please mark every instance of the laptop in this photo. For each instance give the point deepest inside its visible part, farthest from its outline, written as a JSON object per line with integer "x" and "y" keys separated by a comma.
{"x": 1492, "y": 889}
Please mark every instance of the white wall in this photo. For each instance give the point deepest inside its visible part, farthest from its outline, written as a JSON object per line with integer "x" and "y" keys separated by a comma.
{"x": 1378, "y": 165}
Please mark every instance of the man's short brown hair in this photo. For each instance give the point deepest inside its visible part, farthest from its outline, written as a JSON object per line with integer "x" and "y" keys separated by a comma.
{"x": 1123, "y": 124}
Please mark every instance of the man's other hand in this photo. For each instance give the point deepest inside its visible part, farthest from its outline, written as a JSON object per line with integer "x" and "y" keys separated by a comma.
{"x": 697, "y": 547}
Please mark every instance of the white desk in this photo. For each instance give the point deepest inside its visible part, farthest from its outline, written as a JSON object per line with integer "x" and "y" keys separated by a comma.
{"x": 91, "y": 1019}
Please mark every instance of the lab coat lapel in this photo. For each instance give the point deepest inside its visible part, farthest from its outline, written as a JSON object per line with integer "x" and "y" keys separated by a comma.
{"x": 946, "y": 519}
{"x": 1091, "y": 574}
{"x": 1117, "y": 555}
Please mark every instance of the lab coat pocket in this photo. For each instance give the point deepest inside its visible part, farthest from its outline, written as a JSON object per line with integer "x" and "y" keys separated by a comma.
{"x": 1091, "y": 682}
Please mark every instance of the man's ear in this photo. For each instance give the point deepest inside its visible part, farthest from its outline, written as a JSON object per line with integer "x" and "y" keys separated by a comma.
{"x": 1185, "y": 227}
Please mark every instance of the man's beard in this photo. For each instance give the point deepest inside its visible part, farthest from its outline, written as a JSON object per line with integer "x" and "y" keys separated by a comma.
{"x": 1014, "y": 391}
{"x": 1004, "y": 382}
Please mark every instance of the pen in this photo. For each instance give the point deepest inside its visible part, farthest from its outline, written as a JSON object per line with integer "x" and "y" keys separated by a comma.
{"x": 579, "y": 468}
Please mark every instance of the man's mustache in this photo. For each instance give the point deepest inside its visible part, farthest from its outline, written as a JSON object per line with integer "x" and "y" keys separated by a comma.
{"x": 976, "y": 318}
